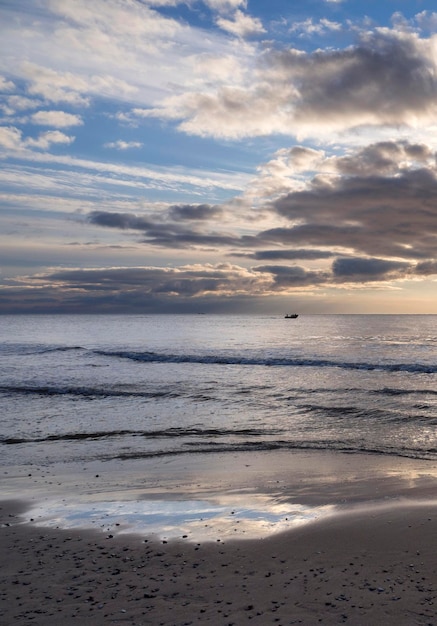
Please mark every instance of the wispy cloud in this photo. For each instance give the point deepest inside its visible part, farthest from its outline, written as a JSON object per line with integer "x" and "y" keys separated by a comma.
{"x": 241, "y": 24}
{"x": 6, "y": 85}
{"x": 311, "y": 27}
{"x": 123, "y": 145}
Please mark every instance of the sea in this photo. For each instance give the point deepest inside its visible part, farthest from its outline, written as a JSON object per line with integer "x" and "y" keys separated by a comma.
{"x": 75, "y": 388}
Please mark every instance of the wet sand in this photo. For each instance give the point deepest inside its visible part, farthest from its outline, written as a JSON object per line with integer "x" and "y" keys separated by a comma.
{"x": 376, "y": 567}
{"x": 372, "y": 562}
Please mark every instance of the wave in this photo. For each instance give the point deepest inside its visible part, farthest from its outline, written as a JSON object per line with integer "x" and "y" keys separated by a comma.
{"x": 173, "y": 433}
{"x": 61, "y": 349}
{"x": 86, "y": 392}
{"x": 429, "y": 454}
{"x": 40, "y": 349}
{"x": 202, "y": 441}
{"x": 154, "y": 357}
{"x": 368, "y": 415}
{"x": 113, "y": 392}
{"x": 236, "y": 359}
{"x": 190, "y": 440}
{"x": 387, "y": 391}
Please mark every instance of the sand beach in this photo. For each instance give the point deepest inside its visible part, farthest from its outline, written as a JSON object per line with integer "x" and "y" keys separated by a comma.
{"x": 370, "y": 560}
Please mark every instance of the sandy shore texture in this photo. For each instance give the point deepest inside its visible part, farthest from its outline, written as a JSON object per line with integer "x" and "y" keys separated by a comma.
{"x": 366, "y": 567}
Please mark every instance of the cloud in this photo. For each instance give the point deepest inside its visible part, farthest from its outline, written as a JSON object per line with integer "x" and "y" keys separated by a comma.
{"x": 6, "y": 85}
{"x": 382, "y": 198}
{"x": 19, "y": 103}
{"x": 54, "y": 85}
{"x": 119, "y": 220}
{"x": 177, "y": 212}
{"x": 225, "y": 5}
{"x": 59, "y": 119}
{"x": 307, "y": 218}
{"x": 88, "y": 176}
{"x": 241, "y": 25}
{"x": 140, "y": 286}
{"x": 167, "y": 234}
{"x": 377, "y": 201}
{"x": 388, "y": 78}
{"x": 290, "y": 255}
{"x": 289, "y": 170}
{"x": 195, "y": 212}
{"x": 283, "y": 171}
{"x": 45, "y": 140}
{"x": 69, "y": 45}
{"x": 385, "y": 158}
{"x": 68, "y": 87}
{"x": 189, "y": 287}
{"x": 309, "y": 28}
{"x": 427, "y": 20}
{"x": 134, "y": 288}
{"x": 368, "y": 269}
{"x": 286, "y": 277}
{"x": 10, "y": 137}
{"x": 427, "y": 268}
{"x": 123, "y": 145}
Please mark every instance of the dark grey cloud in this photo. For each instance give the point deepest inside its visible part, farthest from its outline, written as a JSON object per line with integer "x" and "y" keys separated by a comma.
{"x": 169, "y": 234}
{"x": 384, "y": 158}
{"x": 376, "y": 215}
{"x": 176, "y": 212}
{"x": 427, "y": 268}
{"x": 391, "y": 213}
{"x": 310, "y": 234}
{"x": 198, "y": 212}
{"x": 173, "y": 237}
{"x": 123, "y": 221}
{"x": 385, "y": 77}
{"x": 150, "y": 280}
{"x": 394, "y": 215}
{"x": 286, "y": 255}
{"x": 368, "y": 269}
{"x": 292, "y": 276}
{"x": 185, "y": 281}
{"x": 220, "y": 288}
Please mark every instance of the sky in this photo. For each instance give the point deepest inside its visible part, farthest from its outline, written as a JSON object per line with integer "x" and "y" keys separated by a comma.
{"x": 218, "y": 156}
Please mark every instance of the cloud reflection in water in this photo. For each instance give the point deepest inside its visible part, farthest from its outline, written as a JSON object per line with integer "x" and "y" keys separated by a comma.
{"x": 224, "y": 518}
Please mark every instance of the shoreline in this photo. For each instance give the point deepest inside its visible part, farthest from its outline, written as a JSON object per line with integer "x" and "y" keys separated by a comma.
{"x": 214, "y": 496}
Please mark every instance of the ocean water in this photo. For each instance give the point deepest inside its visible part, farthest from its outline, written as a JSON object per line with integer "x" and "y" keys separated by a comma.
{"x": 83, "y": 388}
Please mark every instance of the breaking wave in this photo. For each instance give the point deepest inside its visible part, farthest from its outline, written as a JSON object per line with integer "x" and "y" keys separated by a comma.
{"x": 172, "y": 433}
{"x": 154, "y": 357}
{"x": 113, "y": 392}
{"x": 85, "y": 392}
{"x": 218, "y": 444}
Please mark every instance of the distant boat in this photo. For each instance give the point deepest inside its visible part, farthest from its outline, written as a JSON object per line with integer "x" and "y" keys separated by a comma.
{"x": 291, "y": 316}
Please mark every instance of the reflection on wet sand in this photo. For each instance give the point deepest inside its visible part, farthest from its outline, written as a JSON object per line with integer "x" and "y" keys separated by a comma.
{"x": 249, "y": 516}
